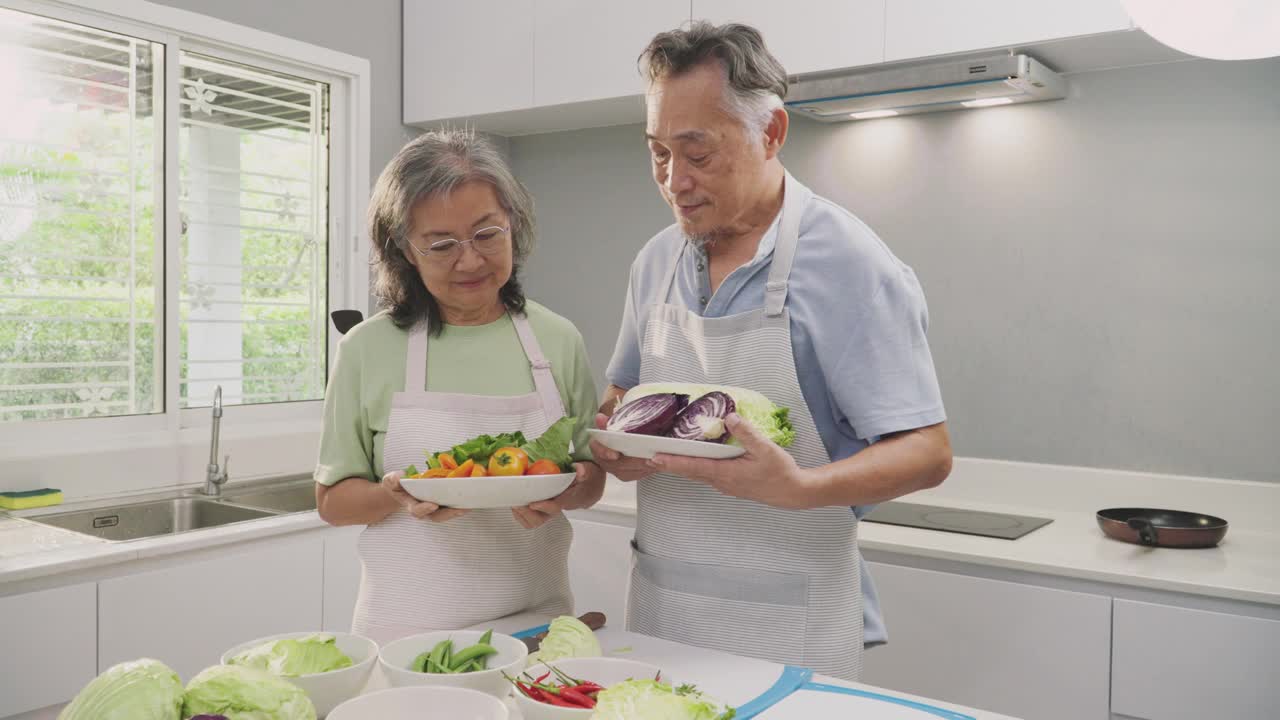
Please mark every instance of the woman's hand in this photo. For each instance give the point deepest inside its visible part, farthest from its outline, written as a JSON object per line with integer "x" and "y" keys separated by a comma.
{"x": 585, "y": 490}
{"x": 421, "y": 510}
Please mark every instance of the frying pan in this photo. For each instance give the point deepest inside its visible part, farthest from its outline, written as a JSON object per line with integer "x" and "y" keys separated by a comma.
{"x": 344, "y": 320}
{"x": 1162, "y": 528}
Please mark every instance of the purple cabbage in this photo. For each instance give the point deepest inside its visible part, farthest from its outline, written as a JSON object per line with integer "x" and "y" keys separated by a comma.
{"x": 703, "y": 419}
{"x": 648, "y": 415}
{"x": 208, "y": 717}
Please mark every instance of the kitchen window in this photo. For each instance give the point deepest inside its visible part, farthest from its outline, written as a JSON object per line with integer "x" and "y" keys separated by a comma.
{"x": 176, "y": 205}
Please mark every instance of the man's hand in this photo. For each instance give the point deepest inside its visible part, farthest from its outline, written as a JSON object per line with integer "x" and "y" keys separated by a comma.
{"x": 421, "y": 510}
{"x": 623, "y": 467}
{"x": 766, "y": 473}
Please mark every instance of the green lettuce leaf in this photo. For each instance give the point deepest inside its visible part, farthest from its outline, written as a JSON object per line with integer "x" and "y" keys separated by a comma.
{"x": 137, "y": 690}
{"x": 653, "y": 700}
{"x": 242, "y": 693}
{"x": 292, "y": 657}
{"x": 553, "y": 445}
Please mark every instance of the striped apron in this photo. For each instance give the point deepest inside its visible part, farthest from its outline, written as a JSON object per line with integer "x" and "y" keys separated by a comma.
{"x": 730, "y": 574}
{"x": 420, "y": 576}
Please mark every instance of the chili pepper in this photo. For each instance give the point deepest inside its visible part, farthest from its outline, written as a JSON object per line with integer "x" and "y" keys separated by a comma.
{"x": 574, "y": 696}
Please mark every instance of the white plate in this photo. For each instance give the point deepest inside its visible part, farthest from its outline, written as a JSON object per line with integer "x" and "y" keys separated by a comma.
{"x": 646, "y": 446}
{"x": 491, "y": 491}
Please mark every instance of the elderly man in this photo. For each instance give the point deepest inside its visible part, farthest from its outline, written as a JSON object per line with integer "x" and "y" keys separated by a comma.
{"x": 764, "y": 285}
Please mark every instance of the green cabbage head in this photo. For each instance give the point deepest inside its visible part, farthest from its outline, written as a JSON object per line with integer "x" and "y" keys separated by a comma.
{"x": 242, "y": 693}
{"x": 567, "y": 637}
{"x": 137, "y": 690}
{"x": 292, "y": 657}
{"x": 653, "y": 700}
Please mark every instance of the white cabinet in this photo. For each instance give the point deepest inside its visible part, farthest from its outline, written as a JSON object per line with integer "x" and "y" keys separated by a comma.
{"x": 1016, "y": 649}
{"x": 920, "y": 28}
{"x": 187, "y": 615}
{"x": 587, "y": 49}
{"x": 467, "y": 58}
{"x": 808, "y": 35}
{"x": 49, "y": 647}
{"x": 1172, "y": 663}
{"x": 600, "y": 569}
{"x": 342, "y": 571}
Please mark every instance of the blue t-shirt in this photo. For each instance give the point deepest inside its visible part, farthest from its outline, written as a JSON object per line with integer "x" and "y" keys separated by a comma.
{"x": 858, "y": 321}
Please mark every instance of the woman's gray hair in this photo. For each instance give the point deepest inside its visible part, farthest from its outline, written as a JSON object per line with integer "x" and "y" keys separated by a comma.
{"x": 755, "y": 83}
{"x": 435, "y": 163}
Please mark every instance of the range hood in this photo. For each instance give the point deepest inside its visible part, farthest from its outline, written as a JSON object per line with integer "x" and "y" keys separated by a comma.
{"x": 929, "y": 87}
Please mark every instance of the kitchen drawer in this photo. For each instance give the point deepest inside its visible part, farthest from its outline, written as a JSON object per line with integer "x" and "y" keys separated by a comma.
{"x": 1171, "y": 663}
{"x": 49, "y": 646}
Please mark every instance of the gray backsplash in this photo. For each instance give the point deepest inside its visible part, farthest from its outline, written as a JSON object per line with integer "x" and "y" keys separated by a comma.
{"x": 1103, "y": 272}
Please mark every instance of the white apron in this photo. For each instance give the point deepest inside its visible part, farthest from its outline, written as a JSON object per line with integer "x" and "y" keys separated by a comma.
{"x": 420, "y": 576}
{"x": 730, "y": 574}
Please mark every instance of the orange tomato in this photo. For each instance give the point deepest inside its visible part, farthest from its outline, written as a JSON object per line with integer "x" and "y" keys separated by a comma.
{"x": 478, "y": 471}
{"x": 508, "y": 461}
{"x": 447, "y": 462}
{"x": 543, "y": 467}
{"x": 462, "y": 470}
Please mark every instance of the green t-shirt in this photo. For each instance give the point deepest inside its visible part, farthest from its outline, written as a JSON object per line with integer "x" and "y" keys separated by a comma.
{"x": 472, "y": 359}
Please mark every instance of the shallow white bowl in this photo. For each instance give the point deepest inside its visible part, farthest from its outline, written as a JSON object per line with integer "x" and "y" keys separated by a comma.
{"x": 491, "y": 491}
{"x": 395, "y": 658}
{"x": 327, "y": 690}
{"x": 603, "y": 670}
{"x": 422, "y": 703}
{"x": 646, "y": 446}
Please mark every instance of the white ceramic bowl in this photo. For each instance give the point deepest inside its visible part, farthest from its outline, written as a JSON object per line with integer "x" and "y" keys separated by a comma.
{"x": 605, "y": 671}
{"x": 327, "y": 690}
{"x": 492, "y": 491}
{"x": 422, "y": 703}
{"x": 396, "y": 657}
{"x": 646, "y": 446}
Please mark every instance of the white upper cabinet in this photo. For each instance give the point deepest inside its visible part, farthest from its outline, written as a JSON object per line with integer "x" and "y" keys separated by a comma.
{"x": 920, "y": 28}
{"x": 808, "y": 35}
{"x": 467, "y": 58}
{"x": 587, "y": 49}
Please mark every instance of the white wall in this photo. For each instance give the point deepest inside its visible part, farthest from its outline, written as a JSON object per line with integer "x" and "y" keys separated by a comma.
{"x": 1103, "y": 272}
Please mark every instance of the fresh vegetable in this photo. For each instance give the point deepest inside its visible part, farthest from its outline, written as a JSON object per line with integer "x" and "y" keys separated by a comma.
{"x": 703, "y": 419}
{"x": 543, "y": 467}
{"x": 463, "y": 470}
{"x": 654, "y": 700}
{"x": 652, "y": 414}
{"x": 753, "y": 407}
{"x": 508, "y": 454}
{"x": 138, "y": 690}
{"x": 566, "y": 637}
{"x": 565, "y": 691}
{"x": 508, "y": 461}
{"x": 292, "y": 657}
{"x": 442, "y": 660}
{"x": 242, "y": 693}
{"x": 553, "y": 444}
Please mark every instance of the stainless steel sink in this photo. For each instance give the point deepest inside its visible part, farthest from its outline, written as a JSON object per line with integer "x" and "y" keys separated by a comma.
{"x": 149, "y": 519}
{"x": 296, "y": 498}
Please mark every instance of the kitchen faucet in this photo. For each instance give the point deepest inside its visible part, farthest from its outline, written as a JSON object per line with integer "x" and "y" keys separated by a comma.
{"x": 215, "y": 476}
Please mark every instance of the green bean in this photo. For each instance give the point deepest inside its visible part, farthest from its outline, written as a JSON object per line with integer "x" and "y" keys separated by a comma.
{"x": 474, "y": 652}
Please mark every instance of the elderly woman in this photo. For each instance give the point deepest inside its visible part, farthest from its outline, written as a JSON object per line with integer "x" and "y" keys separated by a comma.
{"x": 457, "y": 352}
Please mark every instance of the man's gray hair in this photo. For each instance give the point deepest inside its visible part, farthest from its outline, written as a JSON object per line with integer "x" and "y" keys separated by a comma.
{"x": 756, "y": 82}
{"x": 433, "y": 164}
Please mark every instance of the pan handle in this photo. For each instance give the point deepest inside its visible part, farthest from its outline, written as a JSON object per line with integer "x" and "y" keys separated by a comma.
{"x": 1146, "y": 531}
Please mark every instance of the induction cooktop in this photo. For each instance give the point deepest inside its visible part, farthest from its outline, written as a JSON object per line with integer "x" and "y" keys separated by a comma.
{"x": 968, "y": 522}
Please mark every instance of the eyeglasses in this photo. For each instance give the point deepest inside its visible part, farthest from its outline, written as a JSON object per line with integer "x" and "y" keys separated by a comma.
{"x": 486, "y": 241}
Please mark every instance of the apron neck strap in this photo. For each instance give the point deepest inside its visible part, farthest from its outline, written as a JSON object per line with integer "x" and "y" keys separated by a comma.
{"x": 543, "y": 381}
{"x": 795, "y": 198}
{"x": 415, "y": 363}
{"x": 415, "y": 369}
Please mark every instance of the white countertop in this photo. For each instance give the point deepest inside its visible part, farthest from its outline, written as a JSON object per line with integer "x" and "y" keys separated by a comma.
{"x": 1244, "y": 567}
